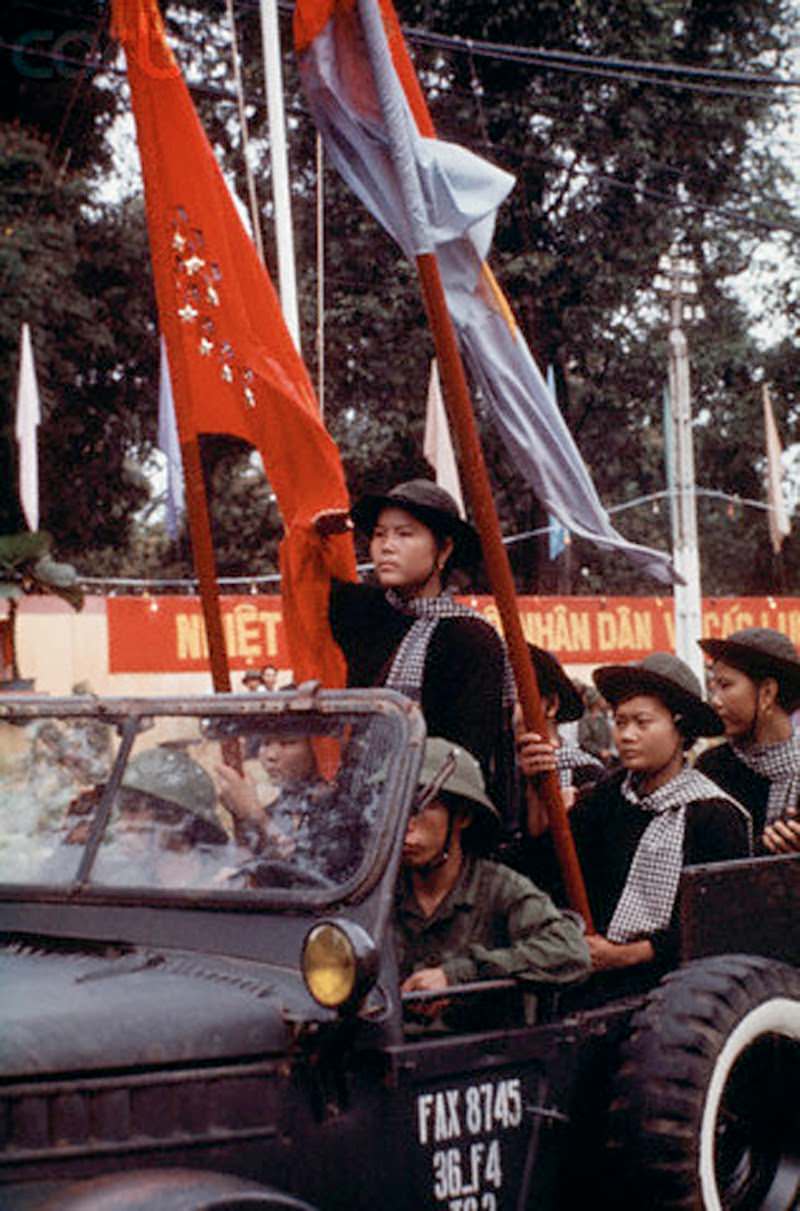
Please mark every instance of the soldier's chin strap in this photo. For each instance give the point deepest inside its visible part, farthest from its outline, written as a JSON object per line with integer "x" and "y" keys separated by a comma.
{"x": 427, "y": 795}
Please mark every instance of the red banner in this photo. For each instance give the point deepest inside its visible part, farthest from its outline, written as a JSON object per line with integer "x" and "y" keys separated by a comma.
{"x": 167, "y": 634}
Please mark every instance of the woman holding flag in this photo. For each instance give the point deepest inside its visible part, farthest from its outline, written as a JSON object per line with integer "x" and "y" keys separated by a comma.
{"x": 408, "y": 633}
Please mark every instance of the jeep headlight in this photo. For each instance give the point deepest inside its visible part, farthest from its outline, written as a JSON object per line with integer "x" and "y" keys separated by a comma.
{"x": 339, "y": 963}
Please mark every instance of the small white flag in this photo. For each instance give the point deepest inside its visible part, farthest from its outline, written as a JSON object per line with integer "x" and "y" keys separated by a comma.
{"x": 28, "y": 418}
{"x": 170, "y": 447}
{"x": 437, "y": 445}
{"x": 778, "y": 517}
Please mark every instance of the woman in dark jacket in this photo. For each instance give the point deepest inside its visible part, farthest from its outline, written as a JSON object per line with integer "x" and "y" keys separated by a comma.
{"x": 408, "y": 633}
{"x": 636, "y": 829}
{"x": 755, "y": 685}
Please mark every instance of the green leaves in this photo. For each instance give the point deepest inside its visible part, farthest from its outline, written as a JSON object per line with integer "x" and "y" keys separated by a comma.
{"x": 610, "y": 170}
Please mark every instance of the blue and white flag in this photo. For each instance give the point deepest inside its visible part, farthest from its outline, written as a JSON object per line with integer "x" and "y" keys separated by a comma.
{"x": 362, "y": 92}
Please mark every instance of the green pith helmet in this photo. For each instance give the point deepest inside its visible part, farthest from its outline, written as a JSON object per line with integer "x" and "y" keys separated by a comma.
{"x": 551, "y": 680}
{"x": 173, "y": 776}
{"x": 670, "y": 680}
{"x": 431, "y": 505}
{"x": 449, "y": 768}
{"x": 760, "y": 652}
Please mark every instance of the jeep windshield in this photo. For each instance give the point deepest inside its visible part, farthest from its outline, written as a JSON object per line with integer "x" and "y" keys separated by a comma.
{"x": 226, "y": 796}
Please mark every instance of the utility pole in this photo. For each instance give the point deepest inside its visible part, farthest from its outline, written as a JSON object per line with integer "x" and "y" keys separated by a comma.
{"x": 678, "y": 281}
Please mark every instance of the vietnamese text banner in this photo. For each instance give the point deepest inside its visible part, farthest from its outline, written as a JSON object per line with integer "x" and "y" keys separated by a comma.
{"x": 167, "y": 634}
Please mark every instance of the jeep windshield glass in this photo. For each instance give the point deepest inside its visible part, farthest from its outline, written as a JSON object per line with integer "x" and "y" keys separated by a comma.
{"x": 221, "y": 802}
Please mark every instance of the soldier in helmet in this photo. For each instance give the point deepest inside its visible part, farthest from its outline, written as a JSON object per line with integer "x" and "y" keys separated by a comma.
{"x": 164, "y": 828}
{"x": 460, "y": 917}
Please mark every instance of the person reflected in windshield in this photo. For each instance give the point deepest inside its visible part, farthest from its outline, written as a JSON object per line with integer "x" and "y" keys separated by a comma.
{"x": 460, "y": 917}
{"x": 273, "y": 827}
{"x": 164, "y": 829}
{"x": 304, "y": 825}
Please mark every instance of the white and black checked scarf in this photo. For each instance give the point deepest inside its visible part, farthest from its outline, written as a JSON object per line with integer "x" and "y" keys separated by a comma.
{"x": 570, "y": 757}
{"x": 408, "y": 665}
{"x": 780, "y": 763}
{"x": 648, "y": 896}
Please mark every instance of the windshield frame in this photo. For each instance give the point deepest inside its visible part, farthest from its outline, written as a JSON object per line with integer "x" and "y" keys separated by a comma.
{"x": 129, "y": 715}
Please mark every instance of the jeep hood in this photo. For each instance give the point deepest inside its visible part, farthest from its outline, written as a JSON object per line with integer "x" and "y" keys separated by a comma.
{"x": 64, "y": 1011}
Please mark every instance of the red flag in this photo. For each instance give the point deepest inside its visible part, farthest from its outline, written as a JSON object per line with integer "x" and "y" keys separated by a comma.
{"x": 233, "y": 364}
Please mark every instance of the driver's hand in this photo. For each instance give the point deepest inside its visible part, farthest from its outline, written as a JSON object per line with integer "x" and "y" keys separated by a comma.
{"x": 427, "y": 979}
{"x": 238, "y": 794}
{"x": 278, "y": 842}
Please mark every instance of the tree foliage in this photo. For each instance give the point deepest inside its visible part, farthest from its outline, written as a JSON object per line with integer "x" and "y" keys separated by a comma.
{"x": 78, "y": 275}
{"x": 611, "y": 170}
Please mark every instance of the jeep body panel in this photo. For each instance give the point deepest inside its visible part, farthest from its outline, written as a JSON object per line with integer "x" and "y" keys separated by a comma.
{"x": 159, "y": 1048}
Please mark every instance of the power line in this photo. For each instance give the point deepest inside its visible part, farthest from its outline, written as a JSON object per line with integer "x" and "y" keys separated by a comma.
{"x": 273, "y": 578}
{"x": 569, "y": 60}
{"x": 734, "y": 217}
{"x": 669, "y": 74}
{"x": 640, "y": 69}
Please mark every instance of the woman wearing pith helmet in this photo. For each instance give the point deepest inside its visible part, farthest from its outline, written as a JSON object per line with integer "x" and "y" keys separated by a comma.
{"x": 636, "y": 829}
{"x": 408, "y": 633}
{"x": 755, "y": 686}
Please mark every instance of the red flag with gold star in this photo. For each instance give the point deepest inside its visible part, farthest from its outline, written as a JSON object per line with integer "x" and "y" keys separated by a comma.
{"x": 233, "y": 364}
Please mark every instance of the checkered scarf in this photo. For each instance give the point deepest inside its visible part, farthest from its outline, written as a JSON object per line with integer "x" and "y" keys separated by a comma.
{"x": 570, "y": 757}
{"x": 780, "y": 763}
{"x": 648, "y": 896}
{"x": 408, "y": 666}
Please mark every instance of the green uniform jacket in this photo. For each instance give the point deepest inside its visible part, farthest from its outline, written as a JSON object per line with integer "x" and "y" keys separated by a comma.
{"x": 492, "y": 923}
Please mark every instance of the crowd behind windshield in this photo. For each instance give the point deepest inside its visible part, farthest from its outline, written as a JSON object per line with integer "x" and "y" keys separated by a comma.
{"x": 223, "y": 802}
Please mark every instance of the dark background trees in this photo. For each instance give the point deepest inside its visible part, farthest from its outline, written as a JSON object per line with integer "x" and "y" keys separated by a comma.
{"x": 611, "y": 169}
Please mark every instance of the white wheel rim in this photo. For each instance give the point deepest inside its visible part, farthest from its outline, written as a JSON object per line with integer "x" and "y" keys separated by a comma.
{"x": 780, "y": 1016}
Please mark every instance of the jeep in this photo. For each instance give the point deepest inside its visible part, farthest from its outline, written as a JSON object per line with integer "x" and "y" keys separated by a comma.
{"x": 194, "y": 1017}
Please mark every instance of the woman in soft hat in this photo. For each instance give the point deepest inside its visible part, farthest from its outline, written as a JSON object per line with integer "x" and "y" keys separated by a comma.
{"x": 561, "y": 703}
{"x": 408, "y": 633}
{"x": 755, "y": 686}
{"x": 639, "y": 827}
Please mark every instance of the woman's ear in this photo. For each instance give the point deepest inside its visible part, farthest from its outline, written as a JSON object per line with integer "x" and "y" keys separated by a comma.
{"x": 767, "y": 694}
{"x": 445, "y": 551}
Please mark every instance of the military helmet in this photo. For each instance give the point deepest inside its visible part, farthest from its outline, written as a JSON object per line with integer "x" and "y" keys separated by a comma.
{"x": 172, "y": 776}
{"x": 447, "y": 768}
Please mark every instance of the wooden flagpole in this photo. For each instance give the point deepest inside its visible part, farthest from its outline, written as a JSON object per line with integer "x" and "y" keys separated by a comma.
{"x": 478, "y": 488}
{"x": 204, "y": 562}
{"x": 197, "y": 513}
{"x": 473, "y": 467}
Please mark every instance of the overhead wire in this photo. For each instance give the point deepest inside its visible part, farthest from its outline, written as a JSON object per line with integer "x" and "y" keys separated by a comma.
{"x": 637, "y": 69}
{"x": 670, "y": 74}
{"x": 274, "y": 578}
{"x": 473, "y": 47}
{"x": 621, "y": 71}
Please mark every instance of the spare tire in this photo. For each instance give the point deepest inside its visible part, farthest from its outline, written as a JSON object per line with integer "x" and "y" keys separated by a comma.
{"x": 705, "y": 1114}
